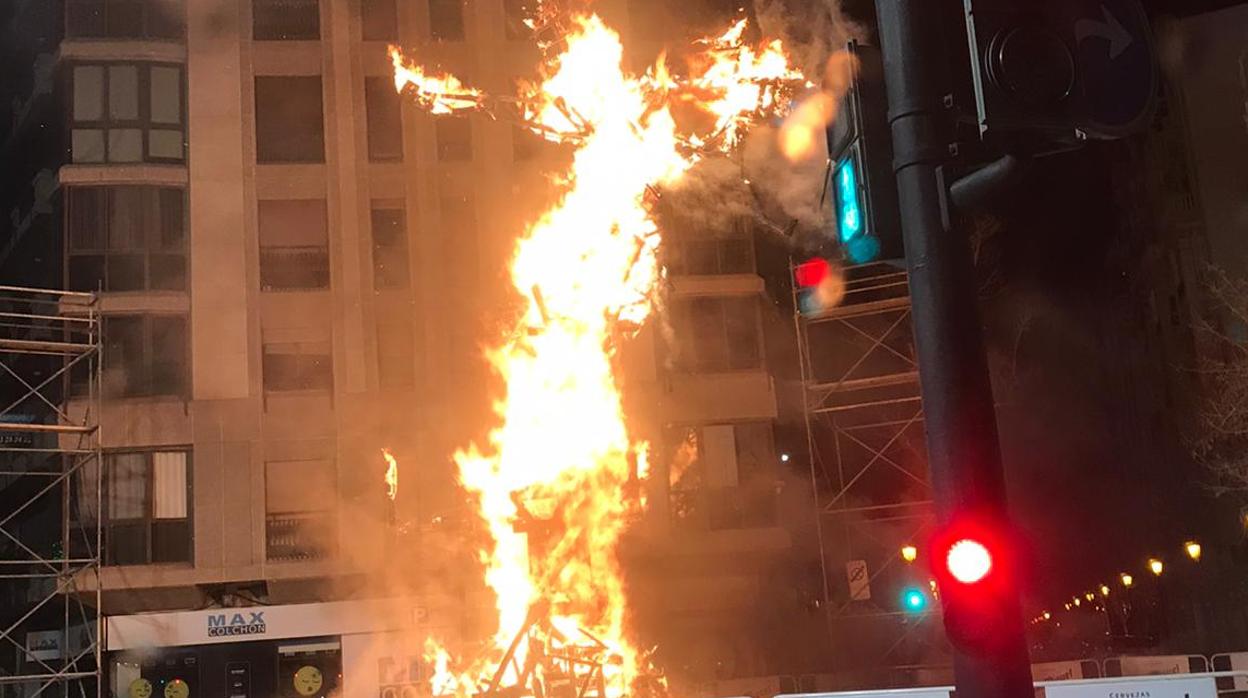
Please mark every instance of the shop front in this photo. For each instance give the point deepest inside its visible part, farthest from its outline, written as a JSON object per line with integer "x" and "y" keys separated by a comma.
{"x": 353, "y": 649}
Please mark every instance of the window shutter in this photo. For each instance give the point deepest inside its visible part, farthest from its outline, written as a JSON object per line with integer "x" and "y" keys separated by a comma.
{"x": 169, "y": 485}
{"x": 719, "y": 456}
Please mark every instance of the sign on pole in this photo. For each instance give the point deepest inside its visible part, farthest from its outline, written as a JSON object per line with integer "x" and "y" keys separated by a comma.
{"x": 859, "y": 580}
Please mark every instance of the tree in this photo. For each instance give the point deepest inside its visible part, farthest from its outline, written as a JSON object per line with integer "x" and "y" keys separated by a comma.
{"x": 1220, "y": 439}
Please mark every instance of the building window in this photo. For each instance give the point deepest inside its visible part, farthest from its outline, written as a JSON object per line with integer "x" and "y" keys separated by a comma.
{"x": 290, "y": 366}
{"x": 446, "y": 20}
{"x": 525, "y": 145}
{"x": 722, "y": 475}
{"x": 454, "y": 137}
{"x": 380, "y": 19}
{"x": 294, "y": 245}
{"x": 717, "y": 334}
{"x": 123, "y": 19}
{"x": 286, "y": 20}
{"x": 144, "y": 355}
{"x": 147, "y": 505}
{"x": 127, "y": 112}
{"x": 390, "y": 254}
{"x": 459, "y": 233}
{"x": 299, "y": 503}
{"x": 516, "y": 14}
{"x": 729, "y": 253}
{"x": 289, "y": 119}
{"x": 384, "y": 120}
{"x": 126, "y": 238}
{"x": 395, "y": 355}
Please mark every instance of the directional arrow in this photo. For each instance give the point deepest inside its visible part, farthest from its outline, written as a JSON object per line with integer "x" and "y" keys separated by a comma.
{"x": 1110, "y": 28}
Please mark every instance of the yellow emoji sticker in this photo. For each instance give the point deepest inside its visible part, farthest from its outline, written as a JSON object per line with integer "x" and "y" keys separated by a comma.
{"x": 308, "y": 680}
{"x": 140, "y": 688}
{"x": 177, "y": 688}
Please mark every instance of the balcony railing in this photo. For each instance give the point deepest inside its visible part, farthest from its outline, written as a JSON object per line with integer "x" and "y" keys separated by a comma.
{"x": 299, "y": 537}
{"x": 124, "y": 19}
{"x": 724, "y": 508}
{"x": 294, "y": 268}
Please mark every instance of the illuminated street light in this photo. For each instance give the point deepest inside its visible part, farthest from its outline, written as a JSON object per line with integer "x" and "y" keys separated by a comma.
{"x": 1155, "y": 566}
{"x": 1104, "y": 590}
{"x": 1067, "y": 607}
{"x": 1047, "y": 615}
{"x": 1193, "y": 550}
{"x": 1127, "y": 580}
{"x": 909, "y": 553}
{"x": 1078, "y": 601}
{"x": 784, "y": 458}
{"x": 1091, "y": 597}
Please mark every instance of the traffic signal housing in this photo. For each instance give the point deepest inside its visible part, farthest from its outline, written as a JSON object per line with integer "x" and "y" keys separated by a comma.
{"x": 862, "y": 183}
{"x": 974, "y": 563}
{"x": 1049, "y": 75}
{"x": 820, "y": 286}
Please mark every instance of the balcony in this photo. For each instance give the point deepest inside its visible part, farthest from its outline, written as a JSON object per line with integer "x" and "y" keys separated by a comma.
{"x": 724, "y": 508}
{"x": 721, "y": 396}
{"x": 124, "y": 20}
{"x": 301, "y": 268}
{"x": 299, "y": 537}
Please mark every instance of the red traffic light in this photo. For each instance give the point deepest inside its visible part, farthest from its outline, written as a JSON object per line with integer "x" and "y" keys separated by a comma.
{"x": 812, "y": 272}
{"x": 968, "y": 561}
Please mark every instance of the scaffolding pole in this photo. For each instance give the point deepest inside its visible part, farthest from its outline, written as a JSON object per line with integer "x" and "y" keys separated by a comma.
{"x": 868, "y": 466}
{"x": 50, "y": 492}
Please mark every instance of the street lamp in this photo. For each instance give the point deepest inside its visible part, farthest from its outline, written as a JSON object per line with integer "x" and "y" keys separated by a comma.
{"x": 1104, "y": 590}
{"x": 1193, "y": 550}
{"x": 1047, "y": 615}
{"x": 1078, "y": 601}
{"x": 1090, "y": 596}
{"x": 1155, "y": 566}
{"x": 909, "y": 553}
{"x": 1127, "y": 580}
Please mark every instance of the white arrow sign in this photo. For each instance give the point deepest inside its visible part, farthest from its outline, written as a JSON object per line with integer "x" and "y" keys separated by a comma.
{"x": 1109, "y": 28}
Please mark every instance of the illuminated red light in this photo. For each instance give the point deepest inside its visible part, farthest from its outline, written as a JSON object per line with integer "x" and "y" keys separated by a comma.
{"x": 811, "y": 272}
{"x": 968, "y": 561}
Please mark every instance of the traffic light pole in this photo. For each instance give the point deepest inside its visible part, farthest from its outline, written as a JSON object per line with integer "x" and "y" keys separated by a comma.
{"x": 963, "y": 452}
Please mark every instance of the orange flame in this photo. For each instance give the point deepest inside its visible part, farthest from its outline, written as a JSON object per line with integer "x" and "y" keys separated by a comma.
{"x": 440, "y": 94}
{"x": 392, "y": 474}
{"x": 552, "y": 482}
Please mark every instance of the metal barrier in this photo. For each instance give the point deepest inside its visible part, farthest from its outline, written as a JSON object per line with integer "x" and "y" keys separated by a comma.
{"x": 1231, "y": 662}
{"x": 1155, "y": 665}
{"x": 1195, "y": 685}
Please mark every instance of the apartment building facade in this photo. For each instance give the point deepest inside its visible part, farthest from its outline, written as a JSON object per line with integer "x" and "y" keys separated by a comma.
{"x": 297, "y": 269}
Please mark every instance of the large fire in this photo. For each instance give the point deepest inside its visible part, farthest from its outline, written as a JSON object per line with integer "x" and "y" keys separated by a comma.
{"x": 552, "y": 483}
{"x": 392, "y": 473}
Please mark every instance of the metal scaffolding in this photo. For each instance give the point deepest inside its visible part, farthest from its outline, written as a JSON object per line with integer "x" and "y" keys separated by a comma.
{"x": 50, "y": 494}
{"x": 864, "y": 429}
